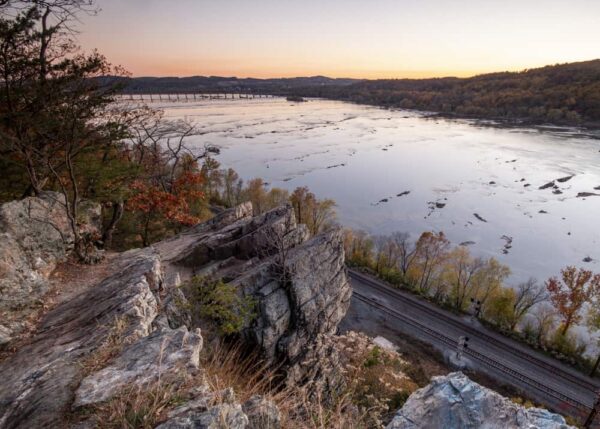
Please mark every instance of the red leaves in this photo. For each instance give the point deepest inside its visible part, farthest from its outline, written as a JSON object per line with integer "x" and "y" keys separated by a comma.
{"x": 569, "y": 294}
{"x": 175, "y": 205}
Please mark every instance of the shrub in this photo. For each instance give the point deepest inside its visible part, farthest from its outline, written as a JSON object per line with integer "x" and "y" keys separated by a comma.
{"x": 221, "y": 303}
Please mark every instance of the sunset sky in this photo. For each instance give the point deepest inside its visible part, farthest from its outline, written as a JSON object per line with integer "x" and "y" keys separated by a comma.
{"x": 341, "y": 38}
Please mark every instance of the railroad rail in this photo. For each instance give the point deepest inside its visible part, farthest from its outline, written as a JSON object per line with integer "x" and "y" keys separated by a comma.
{"x": 497, "y": 342}
{"x": 451, "y": 342}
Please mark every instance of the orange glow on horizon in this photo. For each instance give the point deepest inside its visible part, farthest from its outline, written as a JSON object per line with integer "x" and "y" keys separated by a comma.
{"x": 341, "y": 38}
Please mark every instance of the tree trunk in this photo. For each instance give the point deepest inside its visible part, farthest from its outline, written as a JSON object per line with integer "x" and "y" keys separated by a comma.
{"x": 117, "y": 214}
{"x": 566, "y": 326}
{"x": 595, "y": 368}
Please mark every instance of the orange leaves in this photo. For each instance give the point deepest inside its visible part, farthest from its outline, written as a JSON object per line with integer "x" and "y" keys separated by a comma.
{"x": 571, "y": 292}
{"x": 175, "y": 205}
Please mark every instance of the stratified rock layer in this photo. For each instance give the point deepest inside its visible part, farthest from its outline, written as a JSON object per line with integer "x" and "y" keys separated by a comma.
{"x": 296, "y": 310}
{"x": 34, "y": 236}
{"x": 164, "y": 354}
{"x": 38, "y": 381}
{"x": 456, "y": 402}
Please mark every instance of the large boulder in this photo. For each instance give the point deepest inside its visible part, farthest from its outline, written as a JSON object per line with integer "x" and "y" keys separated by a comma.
{"x": 170, "y": 355}
{"x": 34, "y": 236}
{"x": 454, "y": 401}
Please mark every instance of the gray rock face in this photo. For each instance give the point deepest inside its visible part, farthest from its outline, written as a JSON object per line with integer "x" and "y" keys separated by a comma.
{"x": 34, "y": 237}
{"x": 262, "y": 413}
{"x": 299, "y": 283}
{"x": 220, "y": 416}
{"x": 454, "y": 401}
{"x": 296, "y": 310}
{"x": 39, "y": 380}
{"x": 165, "y": 354}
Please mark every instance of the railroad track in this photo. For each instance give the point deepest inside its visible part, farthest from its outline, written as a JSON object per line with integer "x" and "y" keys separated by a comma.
{"x": 497, "y": 342}
{"x": 451, "y": 342}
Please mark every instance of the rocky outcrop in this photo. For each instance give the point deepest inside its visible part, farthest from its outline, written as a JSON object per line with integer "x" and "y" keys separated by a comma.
{"x": 300, "y": 284}
{"x": 39, "y": 380}
{"x": 301, "y": 291}
{"x": 454, "y": 401}
{"x": 34, "y": 236}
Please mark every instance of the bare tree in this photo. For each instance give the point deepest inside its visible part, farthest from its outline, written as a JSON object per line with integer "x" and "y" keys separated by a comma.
{"x": 407, "y": 251}
{"x": 527, "y": 294}
{"x": 545, "y": 316}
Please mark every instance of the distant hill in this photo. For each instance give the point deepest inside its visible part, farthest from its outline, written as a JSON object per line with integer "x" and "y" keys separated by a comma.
{"x": 560, "y": 94}
{"x": 217, "y": 83}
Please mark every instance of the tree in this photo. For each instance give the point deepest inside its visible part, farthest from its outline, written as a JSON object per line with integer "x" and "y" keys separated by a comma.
{"x": 527, "y": 295}
{"x": 462, "y": 271}
{"x": 53, "y": 105}
{"x": 545, "y": 316}
{"x": 500, "y": 307}
{"x": 317, "y": 215}
{"x": 571, "y": 292}
{"x": 213, "y": 176}
{"x": 232, "y": 188}
{"x": 431, "y": 250}
{"x": 593, "y": 322}
{"x": 407, "y": 251}
{"x": 172, "y": 201}
{"x": 489, "y": 279}
{"x": 358, "y": 247}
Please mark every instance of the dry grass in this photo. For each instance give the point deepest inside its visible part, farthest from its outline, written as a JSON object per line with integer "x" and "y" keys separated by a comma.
{"x": 361, "y": 402}
{"x": 138, "y": 407}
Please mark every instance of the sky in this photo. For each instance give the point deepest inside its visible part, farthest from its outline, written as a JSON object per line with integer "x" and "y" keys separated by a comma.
{"x": 341, "y": 38}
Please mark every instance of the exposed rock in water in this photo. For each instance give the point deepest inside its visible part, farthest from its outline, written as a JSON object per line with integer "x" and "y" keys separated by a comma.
{"x": 547, "y": 185}
{"x": 401, "y": 194}
{"x": 587, "y": 194}
{"x": 454, "y": 401}
{"x": 565, "y": 179}
{"x": 479, "y": 217}
{"x": 467, "y": 243}
{"x": 588, "y": 259}
{"x": 34, "y": 237}
{"x": 557, "y": 192}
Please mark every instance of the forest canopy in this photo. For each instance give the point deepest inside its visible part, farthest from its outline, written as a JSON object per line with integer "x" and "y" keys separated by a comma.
{"x": 559, "y": 94}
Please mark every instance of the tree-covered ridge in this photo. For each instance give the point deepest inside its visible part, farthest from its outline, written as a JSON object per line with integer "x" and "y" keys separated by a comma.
{"x": 561, "y": 94}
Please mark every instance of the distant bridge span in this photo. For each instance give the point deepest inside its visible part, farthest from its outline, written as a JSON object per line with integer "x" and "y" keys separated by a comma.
{"x": 190, "y": 96}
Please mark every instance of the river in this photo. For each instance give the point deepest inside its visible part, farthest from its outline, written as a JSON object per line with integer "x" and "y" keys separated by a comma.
{"x": 395, "y": 170}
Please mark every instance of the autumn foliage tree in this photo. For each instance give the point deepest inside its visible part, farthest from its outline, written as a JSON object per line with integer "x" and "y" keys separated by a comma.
{"x": 174, "y": 203}
{"x": 571, "y": 292}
